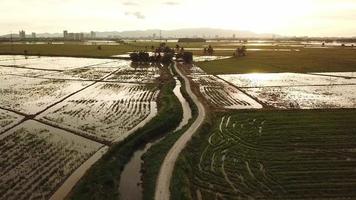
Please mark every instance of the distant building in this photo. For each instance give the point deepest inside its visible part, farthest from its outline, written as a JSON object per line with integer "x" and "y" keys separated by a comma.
{"x": 92, "y": 35}
{"x": 65, "y": 34}
{"x": 22, "y": 34}
{"x": 70, "y": 36}
{"x": 73, "y": 36}
{"x": 33, "y": 35}
{"x": 154, "y": 35}
{"x": 216, "y": 36}
{"x": 234, "y": 36}
{"x": 78, "y": 36}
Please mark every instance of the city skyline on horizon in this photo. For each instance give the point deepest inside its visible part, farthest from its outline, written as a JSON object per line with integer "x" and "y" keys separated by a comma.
{"x": 314, "y": 18}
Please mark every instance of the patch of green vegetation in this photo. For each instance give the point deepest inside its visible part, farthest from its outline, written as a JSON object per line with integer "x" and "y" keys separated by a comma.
{"x": 154, "y": 157}
{"x": 74, "y": 50}
{"x": 305, "y": 60}
{"x": 299, "y": 154}
{"x": 77, "y": 49}
{"x": 102, "y": 180}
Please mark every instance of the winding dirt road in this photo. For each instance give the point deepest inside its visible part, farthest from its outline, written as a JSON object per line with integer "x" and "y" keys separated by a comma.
{"x": 164, "y": 177}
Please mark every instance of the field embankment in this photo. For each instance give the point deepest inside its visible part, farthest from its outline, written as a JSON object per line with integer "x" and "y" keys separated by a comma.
{"x": 105, "y": 174}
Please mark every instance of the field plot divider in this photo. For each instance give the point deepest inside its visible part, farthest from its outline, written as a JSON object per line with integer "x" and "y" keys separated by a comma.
{"x": 72, "y": 131}
{"x": 163, "y": 182}
{"x": 39, "y": 69}
{"x": 28, "y": 117}
{"x": 254, "y": 98}
{"x": 16, "y": 124}
{"x": 65, "y": 188}
{"x": 76, "y": 92}
{"x": 329, "y": 75}
{"x": 14, "y": 111}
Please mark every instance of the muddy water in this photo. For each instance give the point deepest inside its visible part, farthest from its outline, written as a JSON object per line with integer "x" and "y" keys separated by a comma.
{"x": 187, "y": 112}
{"x": 130, "y": 187}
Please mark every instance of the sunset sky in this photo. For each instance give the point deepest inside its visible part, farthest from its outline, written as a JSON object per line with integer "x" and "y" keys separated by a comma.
{"x": 285, "y": 17}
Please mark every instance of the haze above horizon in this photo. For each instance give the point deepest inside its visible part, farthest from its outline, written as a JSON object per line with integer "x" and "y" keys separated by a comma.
{"x": 283, "y": 17}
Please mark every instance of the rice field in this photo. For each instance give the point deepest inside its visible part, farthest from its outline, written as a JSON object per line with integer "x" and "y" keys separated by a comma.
{"x": 106, "y": 111}
{"x": 36, "y": 159}
{"x": 34, "y": 94}
{"x": 53, "y": 63}
{"x": 136, "y": 74}
{"x": 59, "y": 115}
{"x": 276, "y": 155}
{"x": 308, "y": 97}
{"x": 220, "y": 94}
{"x": 209, "y": 58}
{"x": 298, "y": 91}
{"x": 283, "y": 79}
{"x": 8, "y": 119}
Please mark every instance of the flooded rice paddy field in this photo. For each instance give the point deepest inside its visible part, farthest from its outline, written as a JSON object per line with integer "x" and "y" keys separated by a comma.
{"x": 209, "y": 58}
{"x": 57, "y": 116}
{"x": 135, "y": 74}
{"x": 276, "y": 155}
{"x": 31, "y": 95}
{"x": 8, "y": 119}
{"x": 220, "y": 94}
{"x": 54, "y": 63}
{"x": 87, "y": 73}
{"x": 283, "y": 79}
{"x": 277, "y": 90}
{"x": 306, "y": 97}
{"x": 340, "y": 74}
{"x": 298, "y": 91}
{"x": 105, "y": 111}
{"x": 36, "y": 159}
{"x": 20, "y": 71}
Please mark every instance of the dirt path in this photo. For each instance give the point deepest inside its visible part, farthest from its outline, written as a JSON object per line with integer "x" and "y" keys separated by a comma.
{"x": 164, "y": 177}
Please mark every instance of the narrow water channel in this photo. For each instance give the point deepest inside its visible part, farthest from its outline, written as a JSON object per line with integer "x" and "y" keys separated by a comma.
{"x": 130, "y": 186}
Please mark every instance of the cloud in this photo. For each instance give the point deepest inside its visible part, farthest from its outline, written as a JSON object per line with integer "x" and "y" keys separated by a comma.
{"x": 129, "y": 3}
{"x": 137, "y": 14}
{"x": 171, "y": 3}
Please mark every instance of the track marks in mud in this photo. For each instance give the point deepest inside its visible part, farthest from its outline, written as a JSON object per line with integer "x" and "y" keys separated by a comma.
{"x": 283, "y": 155}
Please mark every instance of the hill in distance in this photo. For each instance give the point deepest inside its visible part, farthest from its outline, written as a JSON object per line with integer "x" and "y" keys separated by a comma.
{"x": 177, "y": 33}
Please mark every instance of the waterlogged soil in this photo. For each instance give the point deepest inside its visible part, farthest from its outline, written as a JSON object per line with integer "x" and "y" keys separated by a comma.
{"x": 209, "y": 58}
{"x": 299, "y": 91}
{"x": 36, "y": 159}
{"x": 283, "y": 79}
{"x": 220, "y": 94}
{"x": 31, "y": 95}
{"x": 339, "y": 74}
{"x": 136, "y": 74}
{"x": 106, "y": 111}
{"x": 307, "y": 97}
{"x": 70, "y": 119}
{"x": 8, "y": 119}
{"x": 15, "y": 57}
{"x": 22, "y": 72}
{"x": 55, "y": 63}
{"x": 86, "y": 73}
